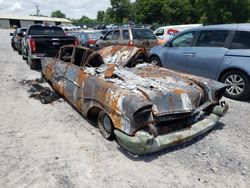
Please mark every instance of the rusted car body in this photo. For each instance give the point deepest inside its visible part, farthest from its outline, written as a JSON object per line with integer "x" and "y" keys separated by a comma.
{"x": 147, "y": 108}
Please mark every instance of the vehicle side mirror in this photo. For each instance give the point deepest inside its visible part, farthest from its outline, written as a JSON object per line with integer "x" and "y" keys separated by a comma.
{"x": 101, "y": 37}
{"x": 20, "y": 34}
{"x": 11, "y": 34}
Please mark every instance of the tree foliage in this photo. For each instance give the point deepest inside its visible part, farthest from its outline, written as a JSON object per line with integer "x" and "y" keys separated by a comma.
{"x": 100, "y": 16}
{"x": 179, "y": 11}
{"x": 58, "y": 14}
{"x": 148, "y": 11}
{"x": 170, "y": 12}
{"x": 84, "y": 19}
{"x": 218, "y": 12}
{"x": 120, "y": 10}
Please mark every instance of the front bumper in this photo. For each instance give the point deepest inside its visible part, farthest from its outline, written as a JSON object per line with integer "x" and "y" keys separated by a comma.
{"x": 143, "y": 142}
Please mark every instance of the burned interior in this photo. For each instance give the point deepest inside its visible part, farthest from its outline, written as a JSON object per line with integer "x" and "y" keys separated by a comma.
{"x": 146, "y": 107}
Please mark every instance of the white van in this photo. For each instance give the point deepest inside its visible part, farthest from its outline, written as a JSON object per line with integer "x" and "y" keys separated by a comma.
{"x": 166, "y": 32}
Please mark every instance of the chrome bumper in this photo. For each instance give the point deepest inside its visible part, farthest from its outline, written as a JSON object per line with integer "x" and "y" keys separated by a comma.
{"x": 143, "y": 142}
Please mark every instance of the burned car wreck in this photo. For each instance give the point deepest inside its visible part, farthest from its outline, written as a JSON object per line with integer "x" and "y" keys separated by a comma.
{"x": 146, "y": 107}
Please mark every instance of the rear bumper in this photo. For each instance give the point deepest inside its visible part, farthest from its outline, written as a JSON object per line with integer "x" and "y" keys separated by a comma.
{"x": 143, "y": 142}
{"x": 38, "y": 56}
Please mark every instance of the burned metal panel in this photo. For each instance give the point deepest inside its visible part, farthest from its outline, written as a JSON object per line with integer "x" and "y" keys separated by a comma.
{"x": 105, "y": 81}
{"x": 122, "y": 55}
{"x": 169, "y": 94}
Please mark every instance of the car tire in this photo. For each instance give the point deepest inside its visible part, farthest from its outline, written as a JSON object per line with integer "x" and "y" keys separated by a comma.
{"x": 19, "y": 52}
{"x": 105, "y": 125}
{"x": 34, "y": 64}
{"x": 23, "y": 56}
{"x": 155, "y": 60}
{"x": 13, "y": 46}
{"x": 239, "y": 84}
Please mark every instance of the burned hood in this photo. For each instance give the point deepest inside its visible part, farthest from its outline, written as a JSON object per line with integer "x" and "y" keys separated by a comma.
{"x": 168, "y": 92}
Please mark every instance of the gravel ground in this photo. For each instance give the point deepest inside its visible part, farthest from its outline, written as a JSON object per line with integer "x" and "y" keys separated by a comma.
{"x": 53, "y": 146}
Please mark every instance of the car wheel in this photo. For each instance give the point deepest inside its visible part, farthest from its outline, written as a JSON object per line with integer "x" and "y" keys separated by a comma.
{"x": 238, "y": 84}
{"x": 155, "y": 60}
{"x": 23, "y": 56}
{"x": 13, "y": 46}
{"x": 19, "y": 52}
{"x": 105, "y": 125}
{"x": 34, "y": 64}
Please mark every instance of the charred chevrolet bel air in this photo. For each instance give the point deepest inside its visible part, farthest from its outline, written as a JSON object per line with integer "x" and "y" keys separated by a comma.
{"x": 145, "y": 107}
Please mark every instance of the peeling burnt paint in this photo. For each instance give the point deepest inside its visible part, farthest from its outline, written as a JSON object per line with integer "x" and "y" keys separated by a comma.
{"x": 119, "y": 81}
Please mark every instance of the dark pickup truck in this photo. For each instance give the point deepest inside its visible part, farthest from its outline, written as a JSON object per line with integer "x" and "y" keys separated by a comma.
{"x": 43, "y": 41}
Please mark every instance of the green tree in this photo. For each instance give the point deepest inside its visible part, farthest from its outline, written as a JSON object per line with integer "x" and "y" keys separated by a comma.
{"x": 177, "y": 12}
{"x": 109, "y": 16}
{"x": 149, "y": 11}
{"x": 100, "y": 16}
{"x": 58, "y": 14}
{"x": 121, "y": 9}
{"x": 218, "y": 12}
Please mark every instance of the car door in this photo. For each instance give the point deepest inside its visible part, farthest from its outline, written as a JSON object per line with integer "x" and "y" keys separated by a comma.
{"x": 206, "y": 55}
{"x": 74, "y": 78}
{"x": 106, "y": 41}
{"x": 125, "y": 37}
{"x": 116, "y": 37}
{"x": 59, "y": 68}
{"x": 176, "y": 56}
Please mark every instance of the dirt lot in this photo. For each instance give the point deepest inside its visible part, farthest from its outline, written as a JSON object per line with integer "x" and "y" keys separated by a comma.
{"x": 53, "y": 146}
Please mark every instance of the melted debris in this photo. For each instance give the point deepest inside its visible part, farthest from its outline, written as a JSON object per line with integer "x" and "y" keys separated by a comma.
{"x": 44, "y": 94}
{"x": 39, "y": 92}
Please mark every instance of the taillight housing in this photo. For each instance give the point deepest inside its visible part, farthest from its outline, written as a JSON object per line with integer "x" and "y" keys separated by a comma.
{"x": 32, "y": 45}
{"x": 91, "y": 41}
{"x": 130, "y": 43}
{"x": 76, "y": 42}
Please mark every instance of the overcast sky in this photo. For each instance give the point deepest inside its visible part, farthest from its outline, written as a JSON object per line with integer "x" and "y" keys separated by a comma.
{"x": 72, "y": 8}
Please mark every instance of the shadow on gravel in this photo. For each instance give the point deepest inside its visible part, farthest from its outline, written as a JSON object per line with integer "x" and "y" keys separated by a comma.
{"x": 245, "y": 100}
{"x": 156, "y": 155}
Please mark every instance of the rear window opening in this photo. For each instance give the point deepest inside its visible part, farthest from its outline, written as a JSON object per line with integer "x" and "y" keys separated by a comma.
{"x": 241, "y": 40}
{"x": 143, "y": 34}
{"x": 66, "y": 54}
{"x": 46, "y": 30}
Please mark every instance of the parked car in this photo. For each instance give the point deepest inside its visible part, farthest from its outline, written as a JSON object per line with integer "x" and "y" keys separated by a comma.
{"x": 146, "y": 107}
{"x": 70, "y": 27}
{"x": 89, "y": 38}
{"x": 166, "y": 32}
{"x": 72, "y": 33}
{"x": 219, "y": 52}
{"x": 16, "y": 39}
{"x": 43, "y": 41}
{"x": 139, "y": 37}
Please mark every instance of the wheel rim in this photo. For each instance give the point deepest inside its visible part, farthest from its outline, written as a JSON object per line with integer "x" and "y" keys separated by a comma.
{"x": 105, "y": 125}
{"x": 236, "y": 84}
{"x": 155, "y": 61}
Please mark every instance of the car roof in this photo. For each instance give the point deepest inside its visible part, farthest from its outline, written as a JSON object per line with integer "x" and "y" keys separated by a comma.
{"x": 223, "y": 26}
{"x": 179, "y": 26}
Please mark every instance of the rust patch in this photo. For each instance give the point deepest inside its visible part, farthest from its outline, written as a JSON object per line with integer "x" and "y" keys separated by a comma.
{"x": 109, "y": 71}
{"x": 179, "y": 91}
